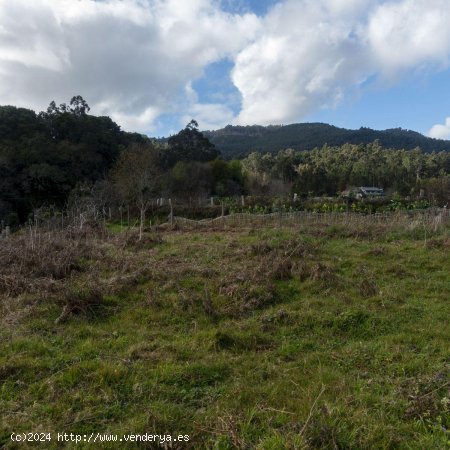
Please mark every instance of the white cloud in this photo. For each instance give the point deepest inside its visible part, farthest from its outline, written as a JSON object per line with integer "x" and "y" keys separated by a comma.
{"x": 408, "y": 34}
{"x": 440, "y": 131}
{"x": 132, "y": 59}
{"x": 128, "y": 58}
{"x": 209, "y": 116}
{"x": 310, "y": 53}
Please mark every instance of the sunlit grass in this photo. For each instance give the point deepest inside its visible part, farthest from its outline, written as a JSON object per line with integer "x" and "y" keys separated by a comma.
{"x": 200, "y": 333}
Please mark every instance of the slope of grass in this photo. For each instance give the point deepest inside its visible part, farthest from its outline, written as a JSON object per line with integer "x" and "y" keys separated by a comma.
{"x": 266, "y": 339}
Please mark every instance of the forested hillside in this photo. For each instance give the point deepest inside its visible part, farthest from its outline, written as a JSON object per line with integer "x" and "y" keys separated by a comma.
{"x": 64, "y": 157}
{"x": 238, "y": 141}
{"x": 43, "y": 156}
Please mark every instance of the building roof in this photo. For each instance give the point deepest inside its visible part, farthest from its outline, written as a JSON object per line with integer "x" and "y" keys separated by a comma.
{"x": 374, "y": 189}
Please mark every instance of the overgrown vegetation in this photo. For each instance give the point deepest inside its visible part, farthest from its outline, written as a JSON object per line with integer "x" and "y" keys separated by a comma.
{"x": 304, "y": 337}
{"x": 48, "y": 159}
{"x": 320, "y": 331}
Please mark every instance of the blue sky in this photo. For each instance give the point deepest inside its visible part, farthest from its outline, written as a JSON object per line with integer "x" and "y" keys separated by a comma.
{"x": 416, "y": 103}
{"x": 259, "y": 7}
{"x": 152, "y": 65}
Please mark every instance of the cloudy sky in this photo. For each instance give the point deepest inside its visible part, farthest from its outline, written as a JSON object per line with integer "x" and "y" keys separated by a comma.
{"x": 152, "y": 65}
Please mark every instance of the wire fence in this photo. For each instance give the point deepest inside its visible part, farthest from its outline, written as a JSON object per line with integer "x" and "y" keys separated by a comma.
{"x": 430, "y": 218}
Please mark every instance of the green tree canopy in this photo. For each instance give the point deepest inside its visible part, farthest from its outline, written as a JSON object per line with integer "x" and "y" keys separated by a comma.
{"x": 189, "y": 145}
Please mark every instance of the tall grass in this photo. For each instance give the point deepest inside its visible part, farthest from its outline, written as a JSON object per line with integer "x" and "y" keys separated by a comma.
{"x": 311, "y": 336}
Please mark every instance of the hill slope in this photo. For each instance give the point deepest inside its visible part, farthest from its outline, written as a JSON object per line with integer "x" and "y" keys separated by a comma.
{"x": 236, "y": 141}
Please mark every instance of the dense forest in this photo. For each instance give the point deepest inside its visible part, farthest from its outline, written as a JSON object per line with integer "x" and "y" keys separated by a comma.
{"x": 239, "y": 141}
{"x": 331, "y": 170}
{"x": 43, "y": 156}
{"x": 52, "y": 158}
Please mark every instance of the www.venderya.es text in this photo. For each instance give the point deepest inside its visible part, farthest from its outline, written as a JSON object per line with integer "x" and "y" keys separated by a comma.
{"x": 99, "y": 437}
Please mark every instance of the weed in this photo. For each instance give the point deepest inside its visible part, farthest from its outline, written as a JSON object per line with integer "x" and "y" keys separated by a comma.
{"x": 241, "y": 339}
{"x": 323, "y": 273}
{"x": 226, "y": 340}
{"x": 428, "y": 398}
{"x": 368, "y": 287}
{"x": 261, "y": 248}
{"x": 350, "y": 322}
{"x": 87, "y": 301}
{"x": 282, "y": 269}
{"x": 438, "y": 243}
{"x": 25, "y": 263}
{"x": 131, "y": 240}
{"x": 301, "y": 270}
{"x": 377, "y": 251}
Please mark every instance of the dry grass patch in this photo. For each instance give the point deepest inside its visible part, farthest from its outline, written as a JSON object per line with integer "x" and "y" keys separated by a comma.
{"x": 324, "y": 273}
{"x": 437, "y": 243}
{"x": 32, "y": 264}
{"x": 86, "y": 301}
{"x": 377, "y": 251}
{"x": 429, "y": 398}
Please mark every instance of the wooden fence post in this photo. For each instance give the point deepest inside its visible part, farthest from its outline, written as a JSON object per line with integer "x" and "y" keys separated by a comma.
{"x": 171, "y": 212}
{"x": 223, "y": 216}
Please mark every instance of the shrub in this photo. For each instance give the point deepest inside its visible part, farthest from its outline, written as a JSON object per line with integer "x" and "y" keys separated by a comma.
{"x": 86, "y": 301}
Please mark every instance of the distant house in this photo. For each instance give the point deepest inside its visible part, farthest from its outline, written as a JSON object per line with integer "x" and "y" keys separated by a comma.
{"x": 365, "y": 191}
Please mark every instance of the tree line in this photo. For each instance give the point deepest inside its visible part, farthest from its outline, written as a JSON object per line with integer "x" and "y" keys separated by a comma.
{"x": 331, "y": 170}
{"x": 54, "y": 157}
{"x": 239, "y": 141}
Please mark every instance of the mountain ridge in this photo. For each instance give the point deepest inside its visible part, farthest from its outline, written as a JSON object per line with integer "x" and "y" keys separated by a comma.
{"x": 236, "y": 141}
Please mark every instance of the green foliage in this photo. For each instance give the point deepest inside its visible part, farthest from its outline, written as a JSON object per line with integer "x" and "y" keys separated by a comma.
{"x": 228, "y": 177}
{"x": 239, "y": 141}
{"x": 189, "y": 145}
{"x": 190, "y": 179}
{"x": 331, "y": 170}
{"x": 43, "y": 157}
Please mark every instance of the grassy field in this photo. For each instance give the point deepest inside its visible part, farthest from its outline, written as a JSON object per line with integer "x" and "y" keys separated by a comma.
{"x": 316, "y": 338}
